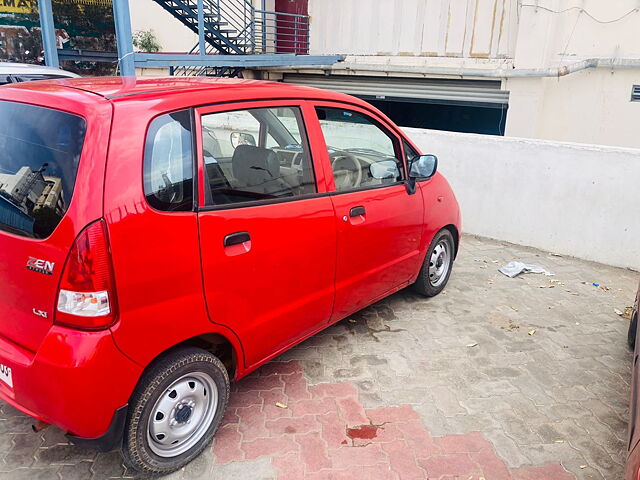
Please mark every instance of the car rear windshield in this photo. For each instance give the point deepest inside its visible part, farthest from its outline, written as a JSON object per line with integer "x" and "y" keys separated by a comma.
{"x": 39, "y": 154}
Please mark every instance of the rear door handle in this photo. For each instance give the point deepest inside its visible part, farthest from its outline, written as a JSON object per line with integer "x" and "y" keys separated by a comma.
{"x": 236, "y": 238}
{"x": 357, "y": 211}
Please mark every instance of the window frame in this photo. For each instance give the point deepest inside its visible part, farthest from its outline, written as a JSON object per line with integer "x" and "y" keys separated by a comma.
{"x": 298, "y": 104}
{"x": 382, "y": 124}
{"x": 407, "y": 143}
{"x": 194, "y": 169}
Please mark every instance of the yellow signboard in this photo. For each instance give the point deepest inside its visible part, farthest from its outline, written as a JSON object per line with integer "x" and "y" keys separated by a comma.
{"x": 18, "y": 6}
{"x": 103, "y": 3}
{"x": 31, "y": 6}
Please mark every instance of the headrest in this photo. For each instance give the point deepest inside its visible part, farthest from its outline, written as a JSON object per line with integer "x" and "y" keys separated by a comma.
{"x": 254, "y": 165}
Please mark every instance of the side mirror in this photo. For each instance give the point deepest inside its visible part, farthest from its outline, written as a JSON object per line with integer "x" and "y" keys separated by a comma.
{"x": 242, "y": 138}
{"x": 386, "y": 169}
{"x": 424, "y": 166}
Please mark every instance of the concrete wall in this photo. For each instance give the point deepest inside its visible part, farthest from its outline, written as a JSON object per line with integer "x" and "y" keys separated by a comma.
{"x": 562, "y": 31}
{"x": 592, "y": 106}
{"x": 445, "y": 28}
{"x": 579, "y": 200}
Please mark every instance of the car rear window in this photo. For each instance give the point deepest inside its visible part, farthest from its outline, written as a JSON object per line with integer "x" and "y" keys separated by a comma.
{"x": 168, "y": 163}
{"x": 39, "y": 154}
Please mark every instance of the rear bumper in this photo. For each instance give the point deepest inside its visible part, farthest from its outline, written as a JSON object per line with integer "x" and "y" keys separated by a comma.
{"x": 76, "y": 381}
{"x": 109, "y": 440}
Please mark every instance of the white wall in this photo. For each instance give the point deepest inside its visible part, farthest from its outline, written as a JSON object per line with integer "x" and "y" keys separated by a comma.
{"x": 172, "y": 35}
{"x": 572, "y": 199}
{"x": 592, "y": 106}
{"x": 563, "y": 31}
{"x": 454, "y": 28}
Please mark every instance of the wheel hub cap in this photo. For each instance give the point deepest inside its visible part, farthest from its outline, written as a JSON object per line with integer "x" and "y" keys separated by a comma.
{"x": 182, "y": 414}
{"x": 439, "y": 263}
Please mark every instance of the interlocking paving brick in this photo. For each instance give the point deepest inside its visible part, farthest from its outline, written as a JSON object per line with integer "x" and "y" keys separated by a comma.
{"x": 387, "y": 442}
{"x": 552, "y": 405}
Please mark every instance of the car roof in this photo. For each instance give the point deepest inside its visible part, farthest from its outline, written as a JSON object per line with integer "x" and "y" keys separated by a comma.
{"x": 10, "y": 68}
{"x": 178, "y": 92}
{"x": 123, "y": 88}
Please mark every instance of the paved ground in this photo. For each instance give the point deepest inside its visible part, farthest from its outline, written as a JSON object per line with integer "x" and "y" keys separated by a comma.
{"x": 498, "y": 378}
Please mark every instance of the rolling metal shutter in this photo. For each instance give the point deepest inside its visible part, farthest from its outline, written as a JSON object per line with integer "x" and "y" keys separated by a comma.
{"x": 474, "y": 93}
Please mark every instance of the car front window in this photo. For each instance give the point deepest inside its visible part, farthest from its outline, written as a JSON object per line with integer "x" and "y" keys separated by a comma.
{"x": 362, "y": 152}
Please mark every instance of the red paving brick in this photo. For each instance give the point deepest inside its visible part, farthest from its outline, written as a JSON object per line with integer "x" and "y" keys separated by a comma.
{"x": 262, "y": 447}
{"x": 402, "y": 459}
{"x": 308, "y": 439}
{"x": 438, "y": 466}
{"x": 351, "y": 411}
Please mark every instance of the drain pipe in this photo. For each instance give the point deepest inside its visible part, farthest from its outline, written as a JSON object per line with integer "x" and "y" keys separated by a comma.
{"x": 478, "y": 72}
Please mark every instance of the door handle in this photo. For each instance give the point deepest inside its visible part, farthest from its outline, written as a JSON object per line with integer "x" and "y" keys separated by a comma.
{"x": 236, "y": 238}
{"x": 357, "y": 211}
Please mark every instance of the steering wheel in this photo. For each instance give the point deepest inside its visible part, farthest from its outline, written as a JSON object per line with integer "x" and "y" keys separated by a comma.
{"x": 347, "y": 171}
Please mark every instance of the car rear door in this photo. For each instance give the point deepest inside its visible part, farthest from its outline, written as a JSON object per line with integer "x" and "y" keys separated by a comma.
{"x": 379, "y": 222}
{"x": 267, "y": 232}
{"x": 51, "y": 178}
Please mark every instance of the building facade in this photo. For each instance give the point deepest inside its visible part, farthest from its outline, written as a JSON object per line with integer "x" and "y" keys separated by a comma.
{"x": 549, "y": 69}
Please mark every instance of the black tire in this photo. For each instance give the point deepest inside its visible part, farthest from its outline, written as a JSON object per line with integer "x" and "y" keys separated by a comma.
{"x": 424, "y": 284}
{"x": 631, "y": 335}
{"x": 155, "y": 382}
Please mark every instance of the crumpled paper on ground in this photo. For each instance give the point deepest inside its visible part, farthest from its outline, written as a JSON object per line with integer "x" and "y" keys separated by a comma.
{"x": 513, "y": 269}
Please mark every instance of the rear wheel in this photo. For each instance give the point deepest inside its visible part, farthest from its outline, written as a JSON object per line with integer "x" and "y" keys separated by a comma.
{"x": 175, "y": 411}
{"x": 437, "y": 265}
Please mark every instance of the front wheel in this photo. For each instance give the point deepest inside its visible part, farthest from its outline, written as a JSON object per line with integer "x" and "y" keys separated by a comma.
{"x": 437, "y": 265}
{"x": 175, "y": 411}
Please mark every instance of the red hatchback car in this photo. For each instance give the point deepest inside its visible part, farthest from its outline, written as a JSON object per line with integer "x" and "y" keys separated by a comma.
{"x": 160, "y": 237}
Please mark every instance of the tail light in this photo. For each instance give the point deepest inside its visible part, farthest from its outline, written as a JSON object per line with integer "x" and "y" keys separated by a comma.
{"x": 86, "y": 296}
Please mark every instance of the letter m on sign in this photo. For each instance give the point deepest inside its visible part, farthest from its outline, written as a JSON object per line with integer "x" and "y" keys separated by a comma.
{"x": 17, "y": 6}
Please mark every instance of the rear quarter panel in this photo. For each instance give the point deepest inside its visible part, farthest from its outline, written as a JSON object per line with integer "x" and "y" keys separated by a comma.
{"x": 156, "y": 255}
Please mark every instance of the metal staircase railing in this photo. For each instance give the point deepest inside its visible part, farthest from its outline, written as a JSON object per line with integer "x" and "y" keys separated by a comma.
{"x": 236, "y": 27}
{"x": 203, "y": 71}
{"x": 239, "y": 16}
{"x": 227, "y": 23}
{"x": 277, "y": 32}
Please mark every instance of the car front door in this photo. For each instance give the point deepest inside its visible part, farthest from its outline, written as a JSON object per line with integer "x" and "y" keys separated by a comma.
{"x": 379, "y": 221}
{"x": 267, "y": 235}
